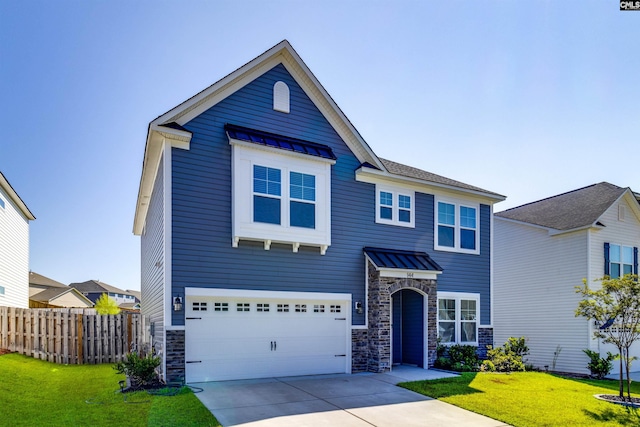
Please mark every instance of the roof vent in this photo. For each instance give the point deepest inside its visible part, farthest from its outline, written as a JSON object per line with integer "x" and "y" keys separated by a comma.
{"x": 281, "y": 97}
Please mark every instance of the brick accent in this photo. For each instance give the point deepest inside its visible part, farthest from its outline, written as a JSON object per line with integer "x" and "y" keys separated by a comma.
{"x": 359, "y": 350}
{"x": 175, "y": 371}
{"x": 485, "y": 338}
{"x": 379, "y": 318}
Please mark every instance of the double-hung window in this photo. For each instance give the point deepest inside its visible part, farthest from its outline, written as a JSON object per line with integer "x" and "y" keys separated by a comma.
{"x": 267, "y": 194}
{"x": 302, "y": 195}
{"x": 395, "y": 206}
{"x": 268, "y": 198}
{"x": 620, "y": 260}
{"x": 458, "y": 318}
{"x": 456, "y": 227}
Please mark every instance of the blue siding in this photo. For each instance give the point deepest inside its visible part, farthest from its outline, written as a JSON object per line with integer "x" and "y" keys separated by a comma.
{"x": 201, "y": 203}
{"x": 152, "y": 257}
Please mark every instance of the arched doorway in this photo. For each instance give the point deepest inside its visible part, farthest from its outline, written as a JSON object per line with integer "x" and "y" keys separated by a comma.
{"x": 408, "y": 327}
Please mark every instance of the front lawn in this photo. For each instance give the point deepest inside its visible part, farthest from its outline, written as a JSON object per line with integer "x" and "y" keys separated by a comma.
{"x": 532, "y": 399}
{"x": 33, "y": 392}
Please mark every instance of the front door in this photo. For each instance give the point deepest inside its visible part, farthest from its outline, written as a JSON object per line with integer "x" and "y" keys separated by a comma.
{"x": 408, "y": 328}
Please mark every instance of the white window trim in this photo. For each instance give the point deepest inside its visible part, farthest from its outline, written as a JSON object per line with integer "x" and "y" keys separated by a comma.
{"x": 457, "y": 204}
{"x": 396, "y": 193}
{"x": 244, "y": 228}
{"x": 281, "y": 97}
{"x": 459, "y": 296}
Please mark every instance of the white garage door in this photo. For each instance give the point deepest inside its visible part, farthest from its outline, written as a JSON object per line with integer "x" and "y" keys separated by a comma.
{"x": 275, "y": 334}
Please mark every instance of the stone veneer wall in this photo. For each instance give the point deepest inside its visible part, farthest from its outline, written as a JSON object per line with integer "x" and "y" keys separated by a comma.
{"x": 374, "y": 344}
{"x": 174, "y": 354}
{"x": 485, "y": 338}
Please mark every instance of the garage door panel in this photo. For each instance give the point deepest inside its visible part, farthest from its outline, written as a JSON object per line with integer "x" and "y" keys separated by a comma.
{"x": 261, "y": 337}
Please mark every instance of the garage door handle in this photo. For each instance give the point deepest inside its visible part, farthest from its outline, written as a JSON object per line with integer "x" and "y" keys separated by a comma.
{"x": 194, "y": 361}
{"x": 340, "y": 355}
{"x": 193, "y": 318}
{"x": 340, "y": 318}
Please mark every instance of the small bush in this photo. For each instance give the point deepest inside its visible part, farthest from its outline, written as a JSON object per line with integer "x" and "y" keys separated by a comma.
{"x": 600, "y": 366}
{"x": 141, "y": 370}
{"x": 508, "y": 358}
{"x": 461, "y": 358}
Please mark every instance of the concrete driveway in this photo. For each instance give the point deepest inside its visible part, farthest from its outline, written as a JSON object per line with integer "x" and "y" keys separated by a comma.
{"x": 334, "y": 400}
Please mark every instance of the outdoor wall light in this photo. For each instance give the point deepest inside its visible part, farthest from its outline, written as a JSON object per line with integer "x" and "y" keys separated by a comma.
{"x": 177, "y": 304}
{"x": 359, "y": 307}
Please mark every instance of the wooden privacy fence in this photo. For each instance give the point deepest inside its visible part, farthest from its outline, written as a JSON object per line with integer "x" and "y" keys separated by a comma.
{"x": 70, "y": 336}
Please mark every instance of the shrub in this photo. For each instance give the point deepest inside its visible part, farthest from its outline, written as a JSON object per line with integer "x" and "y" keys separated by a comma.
{"x": 599, "y": 366}
{"x": 141, "y": 370}
{"x": 508, "y": 358}
{"x": 461, "y": 358}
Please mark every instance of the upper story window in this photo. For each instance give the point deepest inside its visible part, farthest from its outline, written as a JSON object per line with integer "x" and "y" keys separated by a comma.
{"x": 1, "y": 203}
{"x": 395, "y": 206}
{"x": 1, "y": 290}
{"x": 456, "y": 227}
{"x": 620, "y": 260}
{"x": 268, "y": 197}
{"x": 281, "y": 194}
{"x": 281, "y": 97}
{"x": 458, "y": 318}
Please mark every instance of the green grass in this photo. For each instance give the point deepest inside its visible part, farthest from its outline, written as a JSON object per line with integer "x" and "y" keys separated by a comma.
{"x": 35, "y": 392}
{"x": 532, "y": 399}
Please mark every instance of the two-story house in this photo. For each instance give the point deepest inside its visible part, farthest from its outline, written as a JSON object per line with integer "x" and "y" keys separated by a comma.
{"x": 543, "y": 250}
{"x": 94, "y": 289}
{"x": 275, "y": 242}
{"x": 14, "y": 247}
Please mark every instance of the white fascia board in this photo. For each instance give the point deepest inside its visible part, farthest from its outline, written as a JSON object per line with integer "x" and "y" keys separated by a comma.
{"x": 4, "y": 184}
{"x": 283, "y": 53}
{"x": 248, "y": 293}
{"x": 280, "y": 151}
{"x": 551, "y": 231}
{"x": 373, "y": 176}
{"x": 157, "y": 138}
{"x": 632, "y": 202}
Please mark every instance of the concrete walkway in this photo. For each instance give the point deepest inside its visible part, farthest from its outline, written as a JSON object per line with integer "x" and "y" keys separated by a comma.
{"x": 334, "y": 400}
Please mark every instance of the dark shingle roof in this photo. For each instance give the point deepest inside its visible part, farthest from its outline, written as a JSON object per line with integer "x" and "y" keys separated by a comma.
{"x": 39, "y": 279}
{"x": 405, "y": 260}
{"x": 279, "y": 141}
{"x": 411, "y": 172}
{"x": 568, "y": 211}
{"x": 96, "y": 286}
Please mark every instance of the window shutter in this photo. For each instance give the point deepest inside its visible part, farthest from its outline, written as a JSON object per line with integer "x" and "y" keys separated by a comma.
{"x": 606, "y": 259}
{"x": 635, "y": 260}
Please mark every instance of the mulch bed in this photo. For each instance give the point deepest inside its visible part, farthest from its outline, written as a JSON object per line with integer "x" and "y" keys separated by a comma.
{"x": 634, "y": 401}
{"x": 4, "y": 351}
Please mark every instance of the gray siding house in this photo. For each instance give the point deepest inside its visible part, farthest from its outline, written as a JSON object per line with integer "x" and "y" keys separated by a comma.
{"x": 275, "y": 242}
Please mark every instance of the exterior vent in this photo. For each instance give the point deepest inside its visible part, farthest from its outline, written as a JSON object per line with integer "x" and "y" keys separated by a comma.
{"x": 621, "y": 212}
{"x": 281, "y": 97}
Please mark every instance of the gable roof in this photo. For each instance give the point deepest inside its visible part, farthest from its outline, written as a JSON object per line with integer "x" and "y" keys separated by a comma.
{"x": 49, "y": 295}
{"x": 568, "y": 211}
{"x": 4, "y": 184}
{"x": 97, "y": 286}
{"x": 38, "y": 279}
{"x": 168, "y": 127}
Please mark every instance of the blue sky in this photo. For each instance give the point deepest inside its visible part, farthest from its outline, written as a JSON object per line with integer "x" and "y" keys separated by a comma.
{"x": 527, "y": 99}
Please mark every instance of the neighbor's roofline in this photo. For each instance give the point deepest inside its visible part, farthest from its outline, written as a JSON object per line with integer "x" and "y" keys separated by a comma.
{"x": 4, "y": 184}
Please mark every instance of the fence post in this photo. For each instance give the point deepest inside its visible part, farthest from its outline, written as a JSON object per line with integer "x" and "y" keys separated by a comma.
{"x": 4, "y": 330}
{"x": 81, "y": 339}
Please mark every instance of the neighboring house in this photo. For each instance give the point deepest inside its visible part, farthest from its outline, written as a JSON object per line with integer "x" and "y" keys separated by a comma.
{"x": 92, "y": 289}
{"x": 543, "y": 250}
{"x": 136, "y": 294}
{"x": 14, "y": 247}
{"x": 47, "y": 293}
{"x": 275, "y": 242}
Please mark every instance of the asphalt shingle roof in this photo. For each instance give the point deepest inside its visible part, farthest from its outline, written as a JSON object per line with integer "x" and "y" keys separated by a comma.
{"x": 568, "y": 211}
{"x": 96, "y": 286}
{"x": 411, "y": 172}
{"x": 39, "y": 279}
